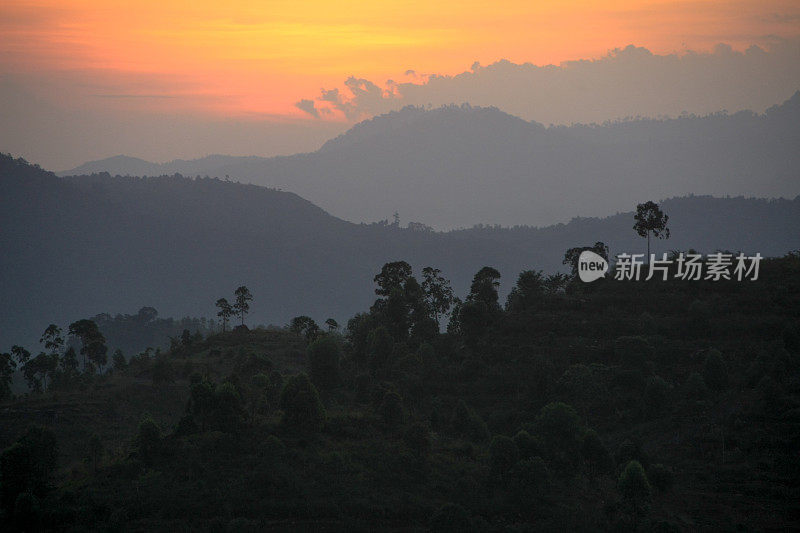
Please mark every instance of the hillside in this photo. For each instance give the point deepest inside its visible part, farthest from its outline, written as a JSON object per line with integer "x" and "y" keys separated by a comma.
{"x": 459, "y": 165}
{"x": 617, "y": 406}
{"x": 79, "y": 246}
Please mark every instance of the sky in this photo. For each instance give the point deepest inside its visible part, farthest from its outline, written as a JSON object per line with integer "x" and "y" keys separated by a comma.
{"x": 85, "y": 79}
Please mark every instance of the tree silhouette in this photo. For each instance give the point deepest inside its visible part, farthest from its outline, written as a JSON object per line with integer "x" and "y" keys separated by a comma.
{"x": 651, "y": 219}
{"x": 93, "y": 342}
{"x": 241, "y": 306}
{"x": 438, "y": 292}
{"x": 225, "y": 312}
{"x": 571, "y": 256}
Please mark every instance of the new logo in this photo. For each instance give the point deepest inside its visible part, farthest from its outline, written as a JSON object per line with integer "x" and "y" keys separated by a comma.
{"x": 591, "y": 266}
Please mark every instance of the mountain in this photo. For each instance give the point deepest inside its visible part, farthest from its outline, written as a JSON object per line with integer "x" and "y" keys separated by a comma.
{"x": 78, "y": 246}
{"x": 457, "y": 166}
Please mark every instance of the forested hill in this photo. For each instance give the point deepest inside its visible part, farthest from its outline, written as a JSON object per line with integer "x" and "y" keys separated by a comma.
{"x": 460, "y": 165}
{"x": 75, "y": 247}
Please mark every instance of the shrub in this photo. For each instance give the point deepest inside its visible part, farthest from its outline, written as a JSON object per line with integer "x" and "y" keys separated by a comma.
{"x": 503, "y": 454}
{"x": 561, "y": 431}
{"x": 323, "y": 362}
{"x": 300, "y": 403}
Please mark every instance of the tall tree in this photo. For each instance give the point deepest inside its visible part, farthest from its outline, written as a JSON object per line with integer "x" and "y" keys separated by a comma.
{"x": 225, "y": 312}
{"x": 392, "y": 276}
{"x": 651, "y": 219}
{"x": 242, "y": 305}
{"x": 438, "y": 292}
{"x": 93, "y": 342}
{"x": 7, "y": 367}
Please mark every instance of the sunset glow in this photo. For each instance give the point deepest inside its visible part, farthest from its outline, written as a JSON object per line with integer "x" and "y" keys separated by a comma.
{"x": 243, "y": 58}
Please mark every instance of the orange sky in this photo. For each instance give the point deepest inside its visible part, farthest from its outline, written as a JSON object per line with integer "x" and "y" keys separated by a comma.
{"x": 241, "y": 58}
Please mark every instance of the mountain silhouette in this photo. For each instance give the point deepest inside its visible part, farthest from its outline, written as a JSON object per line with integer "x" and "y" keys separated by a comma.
{"x": 456, "y": 166}
{"x": 78, "y": 246}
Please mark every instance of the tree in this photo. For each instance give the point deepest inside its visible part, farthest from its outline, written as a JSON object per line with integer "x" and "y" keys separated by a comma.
{"x": 527, "y": 293}
{"x": 242, "y": 305}
{"x": 69, "y": 361}
{"x": 148, "y": 440}
{"x": 651, "y": 219}
{"x": 391, "y": 409}
{"x": 27, "y": 466}
{"x": 323, "y": 361}
{"x": 561, "y": 431}
{"x": 118, "y": 359}
{"x": 52, "y": 340}
{"x": 392, "y": 276}
{"x": 301, "y": 404}
{"x": 484, "y": 288}
{"x": 438, "y": 293}
{"x": 93, "y": 342}
{"x": 304, "y": 326}
{"x": 225, "y": 312}
{"x": 634, "y": 486}
{"x": 571, "y": 256}
{"x": 594, "y": 453}
{"x": 20, "y": 354}
{"x": 332, "y": 325}
{"x": 7, "y": 367}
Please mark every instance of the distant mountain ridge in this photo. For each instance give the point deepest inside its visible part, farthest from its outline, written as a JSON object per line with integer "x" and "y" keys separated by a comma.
{"x": 75, "y": 247}
{"x": 456, "y": 166}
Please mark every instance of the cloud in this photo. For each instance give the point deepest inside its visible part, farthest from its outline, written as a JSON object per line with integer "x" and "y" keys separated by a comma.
{"x": 626, "y": 82}
{"x": 308, "y": 106}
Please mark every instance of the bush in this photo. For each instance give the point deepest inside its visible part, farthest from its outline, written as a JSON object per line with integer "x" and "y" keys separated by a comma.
{"x": 503, "y": 454}
{"x": 633, "y": 484}
{"x": 715, "y": 373}
{"x": 301, "y": 404}
{"x": 323, "y": 362}
{"x": 561, "y": 431}
{"x": 449, "y": 518}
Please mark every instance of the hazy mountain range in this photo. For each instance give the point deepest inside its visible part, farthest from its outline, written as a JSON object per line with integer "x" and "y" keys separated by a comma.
{"x": 459, "y": 165}
{"x": 78, "y": 246}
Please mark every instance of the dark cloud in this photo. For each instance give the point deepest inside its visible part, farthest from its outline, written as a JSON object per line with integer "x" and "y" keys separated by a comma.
{"x": 308, "y": 106}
